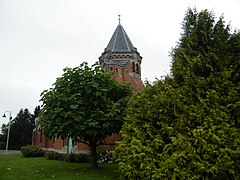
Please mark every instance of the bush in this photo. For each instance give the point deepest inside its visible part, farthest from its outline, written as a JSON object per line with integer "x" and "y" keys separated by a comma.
{"x": 53, "y": 155}
{"x": 82, "y": 158}
{"x": 31, "y": 151}
{"x": 2, "y": 145}
{"x": 78, "y": 158}
{"x": 69, "y": 157}
{"x": 105, "y": 156}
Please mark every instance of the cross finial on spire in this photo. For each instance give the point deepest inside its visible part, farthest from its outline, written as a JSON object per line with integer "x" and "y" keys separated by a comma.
{"x": 119, "y": 18}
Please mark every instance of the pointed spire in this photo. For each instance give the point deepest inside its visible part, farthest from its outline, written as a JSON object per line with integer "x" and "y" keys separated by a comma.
{"x": 119, "y": 18}
{"x": 120, "y": 41}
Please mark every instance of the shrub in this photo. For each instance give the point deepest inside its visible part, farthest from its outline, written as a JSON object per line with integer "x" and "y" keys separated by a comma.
{"x": 82, "y": 158}
{"x": 186, "y": 126}
{"x": 2, "y": 145}
{"x": 105, "y": 156}
{"x": 69, "y": 157}
{"x": 53, "y": 155}
{"x": 78, "y": 158}
{"x": 31, "y": 151}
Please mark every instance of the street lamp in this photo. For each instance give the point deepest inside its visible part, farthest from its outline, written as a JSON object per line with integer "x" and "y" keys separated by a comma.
{"x": 10, "y": 118}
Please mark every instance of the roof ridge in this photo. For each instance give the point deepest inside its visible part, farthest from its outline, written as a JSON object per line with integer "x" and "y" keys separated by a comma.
{"x": 115, "y": 39}
{"x": 124, "y": 35}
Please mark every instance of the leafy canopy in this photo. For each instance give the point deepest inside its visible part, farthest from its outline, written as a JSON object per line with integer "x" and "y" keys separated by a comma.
{"x": 187, "y": 125}
{"x": 85, "y": 104}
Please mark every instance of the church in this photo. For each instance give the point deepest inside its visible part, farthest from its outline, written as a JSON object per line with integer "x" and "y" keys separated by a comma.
{"x": 120, "y": 57}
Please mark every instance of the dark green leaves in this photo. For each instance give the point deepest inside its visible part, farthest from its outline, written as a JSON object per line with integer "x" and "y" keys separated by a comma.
{"x": 186, "y": 126}
{"x": 83, "y": 104}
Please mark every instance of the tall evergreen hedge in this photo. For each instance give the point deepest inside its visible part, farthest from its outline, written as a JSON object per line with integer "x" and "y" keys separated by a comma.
{"x": 187, "y": 125}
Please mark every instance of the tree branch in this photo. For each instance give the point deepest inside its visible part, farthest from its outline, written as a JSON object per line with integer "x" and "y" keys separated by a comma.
{"x": 84, "y": 142}
{"x": 105, "y": 144}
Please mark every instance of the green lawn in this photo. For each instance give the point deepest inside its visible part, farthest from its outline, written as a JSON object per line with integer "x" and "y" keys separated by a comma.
{"x": 18, "y": 167}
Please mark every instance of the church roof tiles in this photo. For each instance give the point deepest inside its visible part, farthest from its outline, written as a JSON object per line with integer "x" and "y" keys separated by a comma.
{"x": 120, "y": 42}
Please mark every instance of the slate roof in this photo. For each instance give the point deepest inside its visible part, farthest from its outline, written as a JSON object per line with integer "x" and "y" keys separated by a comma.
{"x": 120, "y": 42}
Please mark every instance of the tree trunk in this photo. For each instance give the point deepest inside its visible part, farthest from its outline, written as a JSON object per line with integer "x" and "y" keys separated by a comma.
{"x": 93, "y": 147}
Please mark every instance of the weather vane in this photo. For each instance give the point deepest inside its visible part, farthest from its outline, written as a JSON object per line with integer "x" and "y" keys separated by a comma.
{"x": 119, "y": 18}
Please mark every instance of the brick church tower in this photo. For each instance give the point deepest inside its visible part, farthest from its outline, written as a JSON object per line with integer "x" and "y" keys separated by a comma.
{"x": 122, "y": 58}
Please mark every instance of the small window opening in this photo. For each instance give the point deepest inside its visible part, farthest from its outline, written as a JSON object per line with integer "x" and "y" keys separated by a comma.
{"x": 137, "y": 68}
{"x": 133, "y": 66}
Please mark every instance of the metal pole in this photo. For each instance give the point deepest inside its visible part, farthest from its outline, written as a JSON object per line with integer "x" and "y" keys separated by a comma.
{"x": 10, "y": 117}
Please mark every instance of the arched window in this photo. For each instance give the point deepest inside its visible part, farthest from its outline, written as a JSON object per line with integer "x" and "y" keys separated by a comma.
{"x": 137, "y": 68}
{"x": 111, "y": 68}
{"x": 133, "y": 66}
{"x": 116, "y": 70}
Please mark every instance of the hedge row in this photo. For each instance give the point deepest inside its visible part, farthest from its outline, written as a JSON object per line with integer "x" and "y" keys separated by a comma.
{"x": 32, "y": 151}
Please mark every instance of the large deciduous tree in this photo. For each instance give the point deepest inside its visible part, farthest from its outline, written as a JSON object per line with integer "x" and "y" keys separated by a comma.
{"x": 85, "y": 104}
{"x": 186, "y": 126}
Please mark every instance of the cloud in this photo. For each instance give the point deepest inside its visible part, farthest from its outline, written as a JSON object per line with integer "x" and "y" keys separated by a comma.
{"x": 16, "y": 96}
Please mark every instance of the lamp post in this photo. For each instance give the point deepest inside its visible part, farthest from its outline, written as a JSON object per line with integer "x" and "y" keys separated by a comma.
{"x": 10, "y": 117}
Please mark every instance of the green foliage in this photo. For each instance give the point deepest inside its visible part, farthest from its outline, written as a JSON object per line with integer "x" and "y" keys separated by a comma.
{"x": 2, "y": 141}
{"x": 2, "y": 145}
{"x": 78, "y": 158}
{"x": 81, "y": 158}
{"x": 20, "y": 130}
{"x": 31, "y": 151}
{"x": 85, "y": 104}
{"x": 37, "y": 110}
{"x": 186, "y": 126}
{"x": 4, "y": 130}
{"x": 105, "y": 156}
{"x": 55, "y": 156}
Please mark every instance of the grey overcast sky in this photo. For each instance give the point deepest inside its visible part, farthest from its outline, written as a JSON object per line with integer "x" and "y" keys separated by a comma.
{"x": 38, "y": 38}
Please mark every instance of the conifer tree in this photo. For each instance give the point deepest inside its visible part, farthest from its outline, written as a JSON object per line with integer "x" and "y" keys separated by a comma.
{"x": 186, "y": 126}
{"x": 21, "y": 128}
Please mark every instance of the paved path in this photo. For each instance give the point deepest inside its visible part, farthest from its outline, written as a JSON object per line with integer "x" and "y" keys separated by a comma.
{"x": 10, "y": 152}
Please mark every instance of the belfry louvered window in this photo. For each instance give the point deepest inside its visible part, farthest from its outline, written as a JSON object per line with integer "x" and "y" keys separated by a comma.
{"x": 133, "y": 66}
{"x": 137, "y": 68}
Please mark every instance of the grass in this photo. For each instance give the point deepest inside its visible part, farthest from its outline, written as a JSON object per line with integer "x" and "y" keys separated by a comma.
{"x": 18, "y": 167}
